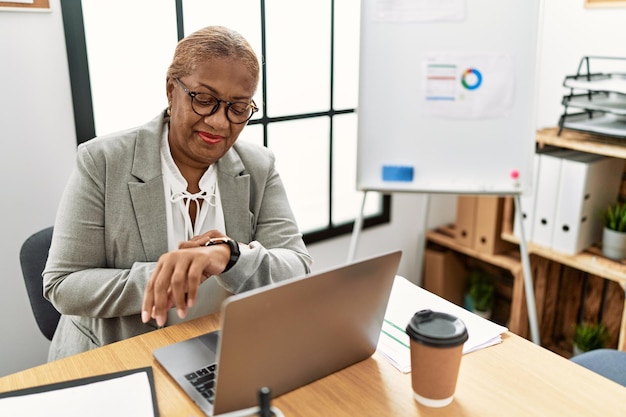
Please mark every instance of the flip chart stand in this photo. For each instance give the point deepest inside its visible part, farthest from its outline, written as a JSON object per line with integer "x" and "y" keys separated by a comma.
{"x": 528, "y": 281}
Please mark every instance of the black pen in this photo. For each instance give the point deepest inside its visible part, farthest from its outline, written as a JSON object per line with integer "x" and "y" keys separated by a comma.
{"x": 264, "y": 402}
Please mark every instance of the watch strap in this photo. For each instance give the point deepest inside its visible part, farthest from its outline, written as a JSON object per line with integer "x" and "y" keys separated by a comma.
{"x": 234, "y": 249}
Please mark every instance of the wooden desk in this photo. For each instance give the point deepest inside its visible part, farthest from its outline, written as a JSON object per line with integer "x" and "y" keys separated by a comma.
{"x": 515, "y": 378}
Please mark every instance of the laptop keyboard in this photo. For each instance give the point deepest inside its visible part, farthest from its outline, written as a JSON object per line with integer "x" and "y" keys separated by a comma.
{"x": 204, "y": 381}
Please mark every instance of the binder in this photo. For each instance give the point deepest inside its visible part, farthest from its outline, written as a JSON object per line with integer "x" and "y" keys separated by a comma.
{"x": 546, "y": 196}
{"x": 465, "y": 220}
{"x": 125, "y": 393}
{"x": 589, "y": 183}
{"x": 527, "y": 205}
{"x": 527, "y": 200}
{"x": 488, "y": 226}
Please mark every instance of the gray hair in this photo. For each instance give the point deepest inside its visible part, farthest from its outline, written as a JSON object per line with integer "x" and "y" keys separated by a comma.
{"x": 209, "y": 43}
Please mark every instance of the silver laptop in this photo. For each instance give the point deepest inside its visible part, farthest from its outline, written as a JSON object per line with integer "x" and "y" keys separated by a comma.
{"x": 285, "y": 335}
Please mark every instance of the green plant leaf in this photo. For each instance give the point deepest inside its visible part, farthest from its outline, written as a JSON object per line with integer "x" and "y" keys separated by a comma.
{"x": 481, "y": 290}
{"x": 590, "y": 336}
{"x": 615, "y": 217}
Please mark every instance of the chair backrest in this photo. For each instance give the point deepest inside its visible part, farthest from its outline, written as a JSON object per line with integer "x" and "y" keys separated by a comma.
{"x": 610, "y": 363}
{"x": 33, "y": 257}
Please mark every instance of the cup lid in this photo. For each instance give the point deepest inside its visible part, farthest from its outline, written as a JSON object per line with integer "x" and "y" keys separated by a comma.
{"x": 438, "y": 329}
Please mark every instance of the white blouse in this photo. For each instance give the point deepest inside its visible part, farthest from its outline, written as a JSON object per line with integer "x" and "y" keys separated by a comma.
{"x": 209, "y": 215}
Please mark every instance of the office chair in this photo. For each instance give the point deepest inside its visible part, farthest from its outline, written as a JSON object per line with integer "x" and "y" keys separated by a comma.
{"x": 33, "y": 257}
{"x": 610, "y": 363}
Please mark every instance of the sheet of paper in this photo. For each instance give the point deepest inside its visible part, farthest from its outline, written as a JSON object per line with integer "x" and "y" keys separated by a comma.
{"x": 405, "y": 300}
{"x": 129, "y": 395}
{"x": 418, "y": 10}
{"x": 467, "y": 85}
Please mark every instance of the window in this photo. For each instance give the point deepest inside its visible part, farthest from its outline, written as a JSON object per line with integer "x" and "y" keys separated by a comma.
{"x": 119, "y": 51}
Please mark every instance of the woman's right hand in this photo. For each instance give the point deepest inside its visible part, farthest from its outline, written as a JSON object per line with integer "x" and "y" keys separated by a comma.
{"x": 177, "y": 276}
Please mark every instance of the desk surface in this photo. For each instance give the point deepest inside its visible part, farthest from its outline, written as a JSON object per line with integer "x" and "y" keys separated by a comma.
{"x": 515, "y": 378}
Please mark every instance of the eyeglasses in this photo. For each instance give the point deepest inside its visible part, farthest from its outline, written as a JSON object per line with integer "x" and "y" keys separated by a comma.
{"x": 205, "y": 104}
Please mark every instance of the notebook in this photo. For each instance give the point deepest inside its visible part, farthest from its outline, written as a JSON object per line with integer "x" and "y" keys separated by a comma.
{"x": 285, "y": 335}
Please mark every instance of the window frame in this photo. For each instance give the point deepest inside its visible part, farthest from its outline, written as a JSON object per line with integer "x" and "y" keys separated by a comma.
{"x": 85, "y": 123}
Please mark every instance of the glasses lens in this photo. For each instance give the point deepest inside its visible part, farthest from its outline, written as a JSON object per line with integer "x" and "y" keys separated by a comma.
{"x": 205, "y": 104}
{"x": 239, "y": 112}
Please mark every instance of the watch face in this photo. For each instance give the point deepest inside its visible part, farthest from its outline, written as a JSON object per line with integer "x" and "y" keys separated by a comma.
{"x": 217, "y": 241}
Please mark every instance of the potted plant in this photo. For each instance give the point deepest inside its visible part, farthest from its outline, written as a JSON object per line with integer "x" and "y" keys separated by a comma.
{"x": 589, "y": 336}
{"x": 480, "y": 294}
{"x": 614, "y": 233}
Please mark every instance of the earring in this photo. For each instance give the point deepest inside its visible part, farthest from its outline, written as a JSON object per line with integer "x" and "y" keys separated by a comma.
{"x": 169, "y": 108}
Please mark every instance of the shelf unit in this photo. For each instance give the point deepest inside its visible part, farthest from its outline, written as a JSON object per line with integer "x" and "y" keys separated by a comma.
{"x": 582, "y": 141}
{"x": 510, "y": 261}
{"x": 554, "y": 273}
{"x": 589, "y": 261}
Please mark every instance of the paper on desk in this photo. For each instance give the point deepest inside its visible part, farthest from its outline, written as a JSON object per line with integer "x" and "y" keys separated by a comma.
{"x": 127, "y": 395}
{"x": 405, "y": 300}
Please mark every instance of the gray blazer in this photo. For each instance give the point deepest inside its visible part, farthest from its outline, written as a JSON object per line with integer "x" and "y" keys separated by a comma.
{"x": 111, "y": 229}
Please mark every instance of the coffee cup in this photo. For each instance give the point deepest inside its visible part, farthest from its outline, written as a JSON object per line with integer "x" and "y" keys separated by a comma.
{"x": 436, "y": 342}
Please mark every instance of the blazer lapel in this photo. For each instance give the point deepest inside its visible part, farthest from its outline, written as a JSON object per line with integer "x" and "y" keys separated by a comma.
{"x": 147, "y": 193}
{"x": 235, "y": 195}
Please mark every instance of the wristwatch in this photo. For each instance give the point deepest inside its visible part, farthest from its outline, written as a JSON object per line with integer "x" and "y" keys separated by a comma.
{"x": 234, "y": 249}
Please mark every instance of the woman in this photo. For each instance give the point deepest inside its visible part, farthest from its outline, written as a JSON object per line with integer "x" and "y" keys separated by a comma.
{"x": 161, "y": 222}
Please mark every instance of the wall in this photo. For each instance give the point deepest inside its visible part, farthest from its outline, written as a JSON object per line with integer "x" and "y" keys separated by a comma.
{"x": 571, "y": 31}
{"x": 38, "y": 141}
{"x": 37, "y": 132}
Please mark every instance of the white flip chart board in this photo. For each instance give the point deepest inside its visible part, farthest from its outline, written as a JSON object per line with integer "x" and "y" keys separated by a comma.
{"x": 446, "y": 96}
